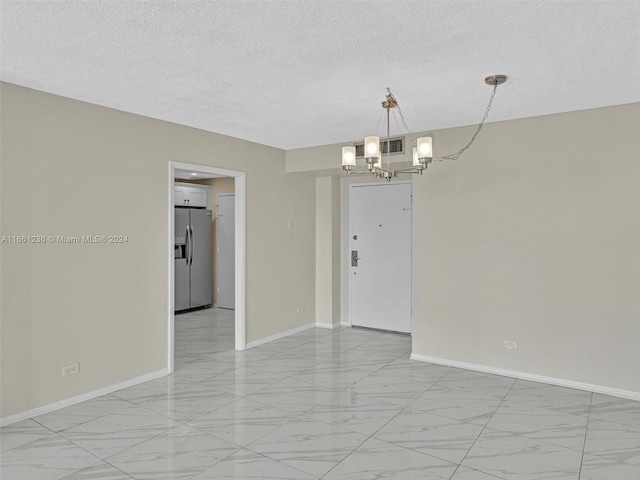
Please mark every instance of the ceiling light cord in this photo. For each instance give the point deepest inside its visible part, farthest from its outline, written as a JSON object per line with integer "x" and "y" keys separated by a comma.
{"x": 413, "y": 140}
{"x": 455, "y": 156}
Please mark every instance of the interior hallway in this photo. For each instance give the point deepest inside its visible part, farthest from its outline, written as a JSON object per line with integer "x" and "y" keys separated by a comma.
{"x": 330, "y": 404}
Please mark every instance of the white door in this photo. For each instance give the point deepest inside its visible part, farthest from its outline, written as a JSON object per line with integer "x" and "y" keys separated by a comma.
{"x": 380, "y": 256}
{"x": 225, "y": 251}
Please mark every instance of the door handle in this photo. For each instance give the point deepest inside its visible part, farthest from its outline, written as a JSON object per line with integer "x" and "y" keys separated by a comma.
{"x": 354, "y": 258}
{"x": 191, "y": 249}
{"x": 187, "y": 246}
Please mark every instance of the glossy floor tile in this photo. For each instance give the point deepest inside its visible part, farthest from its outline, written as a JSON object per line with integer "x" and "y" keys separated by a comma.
{"x": 84, "y": 412}
{"x": 376, "y": 459}
{"x": 182, "y": 452}
{"x": 434, "y": 435}
{"x": 22, "y": 433}
{"x": 246, "y": 465}
{"x": 48, "y": 458}
{"x": 115, "y": 432}
{"x": 325, "y": 404}
{"x": 512, "y": 457}
{"x": 309, "y": 445}
{"x": 243, "y": 421}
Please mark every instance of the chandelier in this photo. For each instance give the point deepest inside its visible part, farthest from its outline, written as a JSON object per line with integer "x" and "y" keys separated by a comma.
{"x": 422, "y": 151}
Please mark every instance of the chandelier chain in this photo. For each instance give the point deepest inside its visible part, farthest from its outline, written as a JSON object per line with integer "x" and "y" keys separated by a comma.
{"x": 404, "y": 121}
{"x": 455, "y": 156}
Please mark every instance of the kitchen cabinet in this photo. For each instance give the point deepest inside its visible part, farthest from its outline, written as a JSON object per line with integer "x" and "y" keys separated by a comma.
{"x": 191, "y": 195}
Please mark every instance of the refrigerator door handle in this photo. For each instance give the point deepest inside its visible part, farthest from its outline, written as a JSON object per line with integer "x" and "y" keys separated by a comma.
{"x": 188, "y": 246}
{"x": 191, "y": 248}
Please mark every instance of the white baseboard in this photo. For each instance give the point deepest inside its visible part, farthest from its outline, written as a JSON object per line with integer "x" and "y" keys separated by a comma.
{"x": 615, "y": 392}
{"x": 345, "y": 324}
{"x": 67, "y": 402}
{"x": 278, "y": 336}
{"x": 330, "y": 326}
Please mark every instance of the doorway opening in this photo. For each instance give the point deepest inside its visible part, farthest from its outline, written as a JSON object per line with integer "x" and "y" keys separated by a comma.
{"x": 239, "y": 181}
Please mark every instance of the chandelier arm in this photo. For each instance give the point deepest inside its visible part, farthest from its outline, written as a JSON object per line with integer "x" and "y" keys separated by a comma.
{"x": 455, "y": 156}
{"x": 351, "y": 174}
{"x": 407, "y": 170}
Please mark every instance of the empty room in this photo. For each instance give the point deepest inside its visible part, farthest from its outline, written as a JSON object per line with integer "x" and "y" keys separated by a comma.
{"x": 284, "y": 239}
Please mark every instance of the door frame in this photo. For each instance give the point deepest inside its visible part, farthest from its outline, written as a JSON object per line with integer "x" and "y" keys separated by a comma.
{"x": 345, "y": 257}
{"x": 240, "y": 256}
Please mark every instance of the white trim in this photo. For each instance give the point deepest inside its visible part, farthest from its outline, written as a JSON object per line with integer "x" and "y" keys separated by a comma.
{"x": 241, "y": 229}
{"x": 170, "y": 263}
{"x": 330, "y": 326}
{"x": 345, "y": 324}
{"x": 280, "y": 335}
{"x": 616, "y": 392}
{"x": 67, "y": 402}
{"x": 241, "y": 259}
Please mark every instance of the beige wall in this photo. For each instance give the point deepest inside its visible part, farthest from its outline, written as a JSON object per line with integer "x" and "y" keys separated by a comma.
{"x": 533, "y": 235}
{"x": 72, "y": 168}
{"x": 327, "y": 251}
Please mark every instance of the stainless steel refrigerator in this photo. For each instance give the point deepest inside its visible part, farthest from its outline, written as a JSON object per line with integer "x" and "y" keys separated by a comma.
{"x": 193, "y": 258}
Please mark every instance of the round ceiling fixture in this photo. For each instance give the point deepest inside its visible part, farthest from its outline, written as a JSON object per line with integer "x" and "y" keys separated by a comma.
{"x": 495, "y": 79}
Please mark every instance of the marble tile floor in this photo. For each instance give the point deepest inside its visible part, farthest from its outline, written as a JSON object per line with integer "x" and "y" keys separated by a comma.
{"x": 325, "y": 404}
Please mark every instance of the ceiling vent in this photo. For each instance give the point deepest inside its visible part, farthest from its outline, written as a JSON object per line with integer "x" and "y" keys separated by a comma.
{"x": 396, "y": 146}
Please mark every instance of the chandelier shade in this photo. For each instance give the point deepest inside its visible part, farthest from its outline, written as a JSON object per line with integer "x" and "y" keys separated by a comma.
{"x": 372, "y": 150}
{"x": 423, "y": 152}
{"x": 425, "y": 147}
{"x": 348, "y": 158}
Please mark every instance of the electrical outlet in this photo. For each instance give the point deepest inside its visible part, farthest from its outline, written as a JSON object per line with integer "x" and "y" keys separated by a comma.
{"x": 510, "y": 344}
{"x": 70, "y": 369}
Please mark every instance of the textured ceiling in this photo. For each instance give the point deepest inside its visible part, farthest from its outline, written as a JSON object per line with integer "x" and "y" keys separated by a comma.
{"x": 301, "y": 73}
